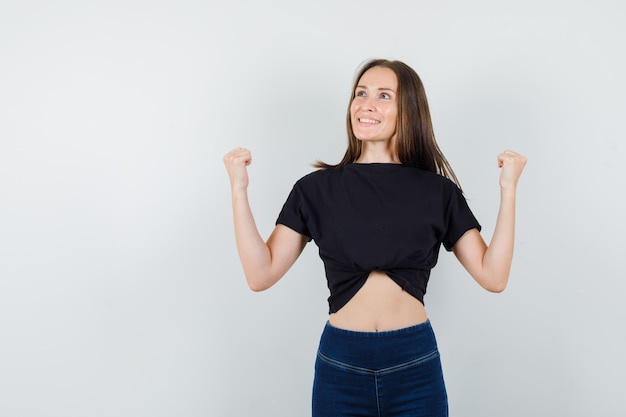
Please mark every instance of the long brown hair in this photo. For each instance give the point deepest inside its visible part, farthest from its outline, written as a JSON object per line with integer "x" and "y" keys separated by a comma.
{"x": 415, "y": 144}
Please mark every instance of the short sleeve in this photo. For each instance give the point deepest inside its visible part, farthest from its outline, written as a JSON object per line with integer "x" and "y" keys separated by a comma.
{"x": 459, "y": 218}
{"x": 293, "y": 214}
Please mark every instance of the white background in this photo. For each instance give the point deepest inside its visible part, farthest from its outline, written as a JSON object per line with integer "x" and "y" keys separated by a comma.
{"x": 120, "y": 288}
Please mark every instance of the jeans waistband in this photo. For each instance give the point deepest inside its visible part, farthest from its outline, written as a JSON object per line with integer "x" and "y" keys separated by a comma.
{"x": 378, "y": 350}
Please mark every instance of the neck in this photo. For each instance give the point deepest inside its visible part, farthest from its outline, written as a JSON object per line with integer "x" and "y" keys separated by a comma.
{"x": 373, "y": 152}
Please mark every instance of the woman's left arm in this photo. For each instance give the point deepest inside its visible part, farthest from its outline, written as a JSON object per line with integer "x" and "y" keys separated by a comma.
{"x": 490, "y": 265}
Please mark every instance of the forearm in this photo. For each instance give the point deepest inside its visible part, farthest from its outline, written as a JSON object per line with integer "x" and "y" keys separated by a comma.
{"x": 254, "y": 253}
{"x": 490, "y": 265}
{"x": 499, "y": 254}
{"x": 263, "y": 263}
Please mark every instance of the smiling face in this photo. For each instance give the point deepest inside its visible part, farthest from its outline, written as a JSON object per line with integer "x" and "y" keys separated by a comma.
{"x": 374, "y": 111}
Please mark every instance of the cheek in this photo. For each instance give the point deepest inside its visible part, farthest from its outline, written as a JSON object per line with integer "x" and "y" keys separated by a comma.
{"x": 353, "y": 111}
{"x": 393, "y": 115}
{"x": 353, "y": 107}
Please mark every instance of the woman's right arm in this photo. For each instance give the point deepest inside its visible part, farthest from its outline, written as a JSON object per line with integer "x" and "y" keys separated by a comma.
{"x": 264, "y": 263}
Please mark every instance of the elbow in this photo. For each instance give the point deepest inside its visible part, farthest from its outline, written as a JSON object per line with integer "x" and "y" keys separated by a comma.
{"x": 494, "y": 283}
{"x": 497, "y": 286}
{"x": 259, "y": 283}
{"x": 497, "y": 289}
{"x": 261, "y": 279}
{"x": 257, "y": 286}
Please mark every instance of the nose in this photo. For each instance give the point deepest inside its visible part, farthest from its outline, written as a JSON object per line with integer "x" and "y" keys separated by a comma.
{"x": 368, "y": 104}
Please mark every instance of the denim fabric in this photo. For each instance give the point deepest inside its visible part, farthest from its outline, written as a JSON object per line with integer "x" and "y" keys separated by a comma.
{"x": 381, "y": 374}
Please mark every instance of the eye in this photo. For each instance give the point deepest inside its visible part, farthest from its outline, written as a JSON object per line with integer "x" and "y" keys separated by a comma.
{"x": 359, "y": 93}
{"x": 385, "y": 96}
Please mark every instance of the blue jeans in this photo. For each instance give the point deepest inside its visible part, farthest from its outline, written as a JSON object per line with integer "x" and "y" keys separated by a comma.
{"x": 392, "y": 373}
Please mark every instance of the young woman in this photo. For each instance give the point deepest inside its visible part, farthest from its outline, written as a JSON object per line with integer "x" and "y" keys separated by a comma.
{"x": 379, "y": 218}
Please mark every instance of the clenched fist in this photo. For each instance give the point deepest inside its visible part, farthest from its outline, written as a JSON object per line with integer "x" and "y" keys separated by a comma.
{"x": 512, "y": 165}
{"x": 236, "y": 162}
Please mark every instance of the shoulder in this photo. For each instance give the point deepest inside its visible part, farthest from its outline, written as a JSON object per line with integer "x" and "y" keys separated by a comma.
{"x": 439, "y": 180}
{"x": 430, "y": 180}
{"x": 317, "y": 177}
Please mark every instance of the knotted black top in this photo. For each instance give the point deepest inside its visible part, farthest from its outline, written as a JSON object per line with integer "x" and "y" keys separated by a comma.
{"x": 387, "y": 217}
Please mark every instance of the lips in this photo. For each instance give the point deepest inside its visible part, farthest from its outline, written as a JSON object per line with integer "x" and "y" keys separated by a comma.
{"x": 369, "y": 121}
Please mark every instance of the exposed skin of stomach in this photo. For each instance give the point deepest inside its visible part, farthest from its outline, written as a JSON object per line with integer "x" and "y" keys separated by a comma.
{"x": 380, "y": 305}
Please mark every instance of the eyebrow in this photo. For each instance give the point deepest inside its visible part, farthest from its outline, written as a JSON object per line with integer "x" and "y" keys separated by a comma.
{"x": 379, "y": 89}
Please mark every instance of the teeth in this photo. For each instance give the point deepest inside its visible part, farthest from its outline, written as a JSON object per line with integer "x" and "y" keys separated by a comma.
{"x": 370, "y": 121}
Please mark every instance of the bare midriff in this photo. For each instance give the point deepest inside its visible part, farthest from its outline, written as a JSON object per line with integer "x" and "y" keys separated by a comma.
{"x": 380, "y": 305}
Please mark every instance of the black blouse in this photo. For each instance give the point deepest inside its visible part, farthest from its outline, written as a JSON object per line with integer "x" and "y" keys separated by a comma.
{"x": 380, "y": 216}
